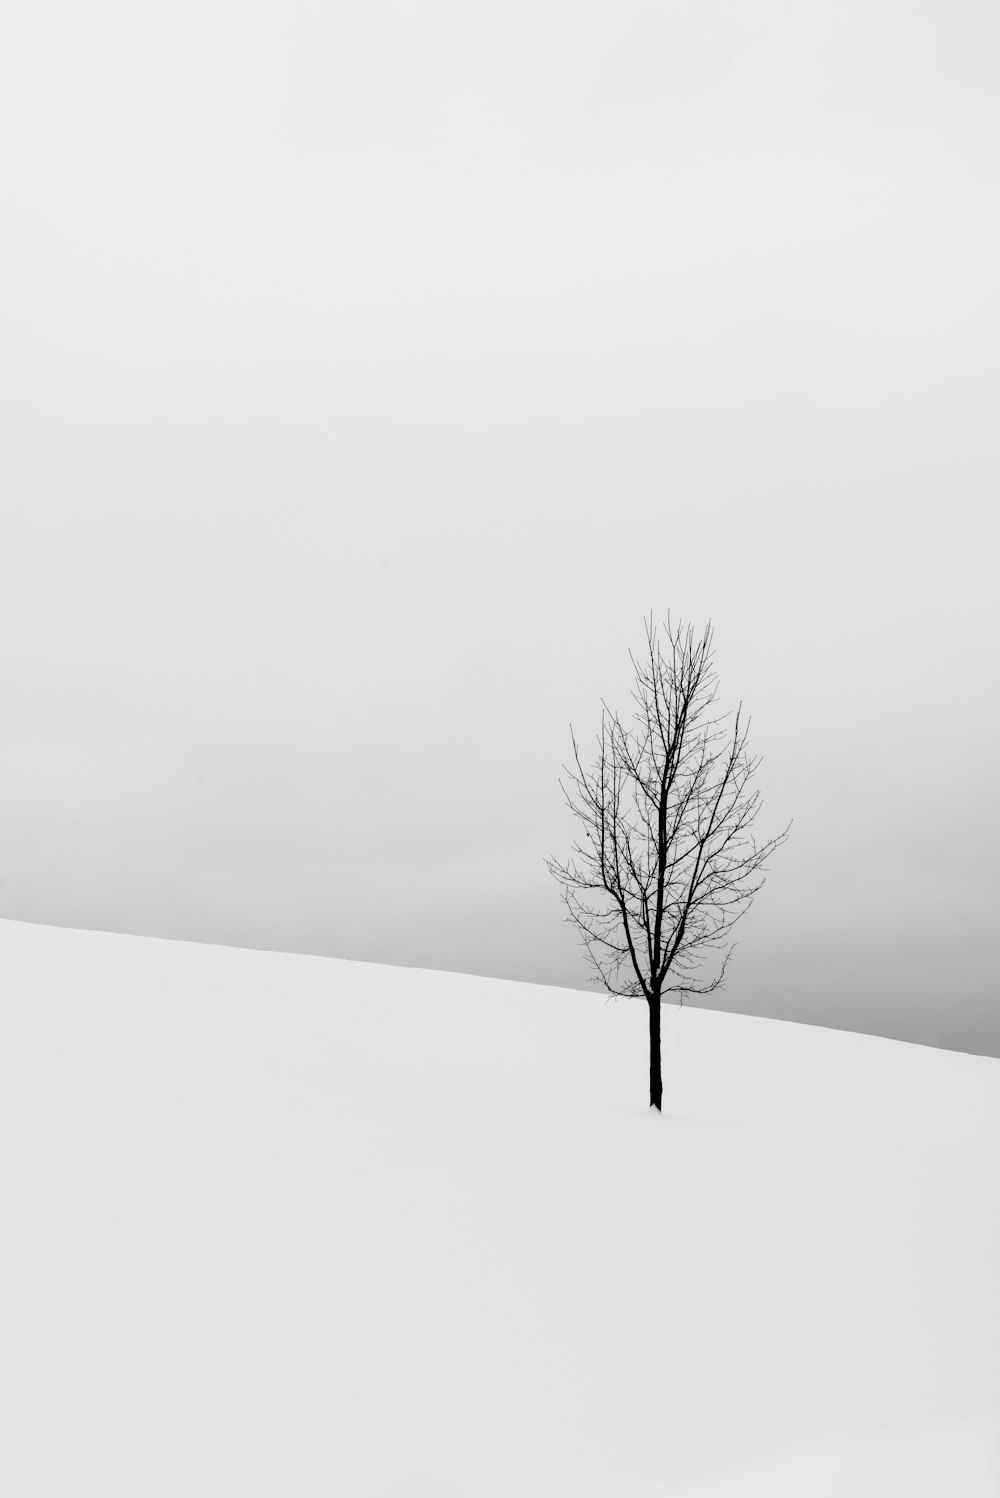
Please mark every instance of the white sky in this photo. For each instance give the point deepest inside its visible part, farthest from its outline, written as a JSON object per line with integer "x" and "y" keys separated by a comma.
{"x": 370, "y": 372}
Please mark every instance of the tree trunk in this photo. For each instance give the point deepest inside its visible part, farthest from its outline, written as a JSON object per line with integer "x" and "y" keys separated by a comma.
{"x": 655, "y": 1075}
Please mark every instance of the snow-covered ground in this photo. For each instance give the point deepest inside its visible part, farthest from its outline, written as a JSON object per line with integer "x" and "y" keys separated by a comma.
{"x": 282, "y": 1225}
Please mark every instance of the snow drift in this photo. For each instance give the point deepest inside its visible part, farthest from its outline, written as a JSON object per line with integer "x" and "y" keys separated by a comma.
{"x": 276, "y": 1224}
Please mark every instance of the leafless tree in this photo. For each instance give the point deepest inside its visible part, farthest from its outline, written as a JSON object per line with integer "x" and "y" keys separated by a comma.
{"x": 670, "y": 862}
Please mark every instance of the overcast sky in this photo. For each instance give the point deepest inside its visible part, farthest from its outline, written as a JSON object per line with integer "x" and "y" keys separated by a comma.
{"x": 369, "y": 373}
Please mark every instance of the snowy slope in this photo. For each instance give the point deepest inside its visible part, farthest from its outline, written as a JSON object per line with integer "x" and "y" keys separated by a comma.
{"x": 282, "y": 1225}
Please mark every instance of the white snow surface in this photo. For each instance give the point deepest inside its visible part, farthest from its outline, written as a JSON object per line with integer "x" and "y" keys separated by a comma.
{"x": 287, "y": 1225}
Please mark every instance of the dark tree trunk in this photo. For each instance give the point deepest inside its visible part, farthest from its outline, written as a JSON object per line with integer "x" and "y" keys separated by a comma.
{"x": 655, "y": 1075}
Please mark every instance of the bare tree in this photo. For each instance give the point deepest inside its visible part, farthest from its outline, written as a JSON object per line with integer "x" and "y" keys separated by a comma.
{"x": 670, "y": 856}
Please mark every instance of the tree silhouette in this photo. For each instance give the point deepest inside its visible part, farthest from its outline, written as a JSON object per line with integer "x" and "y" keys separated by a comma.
{"x": 670, "y": 855}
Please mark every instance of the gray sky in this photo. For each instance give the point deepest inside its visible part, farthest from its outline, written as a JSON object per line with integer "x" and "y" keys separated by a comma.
{"x": 370, "y": 372}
